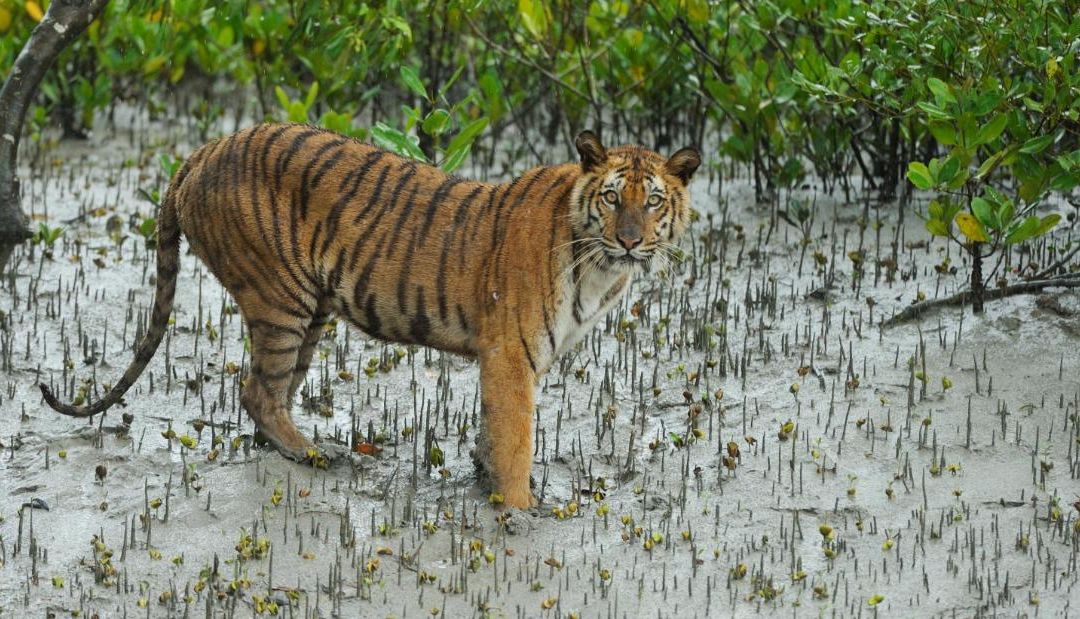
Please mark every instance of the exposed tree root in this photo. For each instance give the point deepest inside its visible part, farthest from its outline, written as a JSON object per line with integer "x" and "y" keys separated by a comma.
{"x": 964, "y": 297}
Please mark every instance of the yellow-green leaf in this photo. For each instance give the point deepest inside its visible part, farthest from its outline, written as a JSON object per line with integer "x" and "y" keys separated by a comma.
{"x": 971, "y": 228}
{"x": 697, "y": 11}
{"x": 33, "y": 9}
{"x": 534, "y": 16}
{"x": 937, "y": 227}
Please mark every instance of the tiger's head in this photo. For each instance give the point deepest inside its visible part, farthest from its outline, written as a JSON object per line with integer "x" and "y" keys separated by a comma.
{"x": 630, "y": 204}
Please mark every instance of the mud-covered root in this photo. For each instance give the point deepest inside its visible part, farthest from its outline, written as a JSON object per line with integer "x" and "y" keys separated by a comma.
{"x": 65, "y": 409}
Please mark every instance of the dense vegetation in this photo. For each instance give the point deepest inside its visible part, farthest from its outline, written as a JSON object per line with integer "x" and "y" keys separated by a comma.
{"x": 976, "y": 101}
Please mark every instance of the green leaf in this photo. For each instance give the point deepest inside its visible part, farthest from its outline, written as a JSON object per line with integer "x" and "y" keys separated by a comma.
{"x": 948, "y": 170}
{"x": 1027, "y": 229}
{"x": 943, "y": 132}
{"x": 412, "y": 148}
{"x": 941, "y": 91}
{"x": 148, "y": 227}
{"x": 958, "y": 180}
{"x": 436, "y": 122}
{"x": 412, "y": 82}
{"x": 455, "y": 158}
{"x": 396, "y": 141}
{"x": 466, "y": 136}
{"x": 934, "y": 111}
{"x": 1033, "y": 105}
{"x": 297, "y": 112}
{"x": 985, "y": 103}
{"x": 1064, "y": 182}
{"x": 1047, "y": 224}
{"x": 282, "y": 98}
{"x": 919, "y": 175}
{"x": 983, "y": 211}
{"x": 991, "y": 130}
{"x": 225, "y": 36}
{"x": 1034, "y": 146}
{"x": 1003, "y": 217}
{"x": 313, "y": 92}
{"x": 989, "y": 164}
{"x": 388, "y": 138}
{"x": 450, "y": 82}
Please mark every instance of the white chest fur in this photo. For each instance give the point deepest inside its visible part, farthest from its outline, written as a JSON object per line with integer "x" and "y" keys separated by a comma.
{"x": 585, "y": 304}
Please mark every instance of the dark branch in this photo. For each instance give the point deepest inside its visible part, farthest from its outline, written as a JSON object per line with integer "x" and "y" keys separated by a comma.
{"x": 63, "y": 22}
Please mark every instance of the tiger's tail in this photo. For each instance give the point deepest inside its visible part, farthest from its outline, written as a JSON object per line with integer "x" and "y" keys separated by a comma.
{"x": 168, "y": 266}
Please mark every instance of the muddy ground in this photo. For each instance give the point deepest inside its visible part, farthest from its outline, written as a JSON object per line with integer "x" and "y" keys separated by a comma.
{"x": 741, "y": 436}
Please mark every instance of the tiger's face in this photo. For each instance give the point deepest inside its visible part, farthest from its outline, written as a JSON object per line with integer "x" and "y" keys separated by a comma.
{"x": 631, "y": 204}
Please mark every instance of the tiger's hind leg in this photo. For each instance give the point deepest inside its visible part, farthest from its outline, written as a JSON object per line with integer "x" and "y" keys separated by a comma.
{"x": 275, "y": 347}
{"x": 312, "y": 336}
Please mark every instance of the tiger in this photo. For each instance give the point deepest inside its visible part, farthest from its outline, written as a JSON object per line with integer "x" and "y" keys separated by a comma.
{"x": 301, "y": 224}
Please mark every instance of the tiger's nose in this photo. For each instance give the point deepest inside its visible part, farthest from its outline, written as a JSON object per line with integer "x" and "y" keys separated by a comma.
{"x": 629, "y": 244}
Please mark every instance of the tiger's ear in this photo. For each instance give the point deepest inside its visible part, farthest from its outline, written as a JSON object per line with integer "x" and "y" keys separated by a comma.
{"x": 683, "y": 164}
{"x": 591, "y": 150}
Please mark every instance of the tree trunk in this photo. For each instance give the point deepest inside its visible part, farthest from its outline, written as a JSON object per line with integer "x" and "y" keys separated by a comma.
{"x": 978, "y": 294}
{"x": 63, "y": 22}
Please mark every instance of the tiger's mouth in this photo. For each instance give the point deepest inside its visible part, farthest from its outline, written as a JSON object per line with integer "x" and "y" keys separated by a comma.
{"x": 627, "y": 260}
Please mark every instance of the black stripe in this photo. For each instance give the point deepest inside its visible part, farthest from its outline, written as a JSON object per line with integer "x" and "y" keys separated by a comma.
{"x": 463, "y": 319}
{"x": 272, "y": 327}
{"x": 440, "y": 279}
{"x": 421, "y": 325}
{"x": 314, "y": 241}
{"x": 373, "y": 225}
{"x": 279, "y": 350}
{"x": 257, "y": 212}
{"x": 360, "y": 287}
{"x": 374, "y": 325}
{"x": 436, "y": 198}
{"x": 334, "y": 281}
{"x": 280, "y": 131}
{"x": 273, "y": 376}
{"x": 403, "y": 214}
{"x": 498, "y": 236}
{"x": 279, "y": 243}
{"x": 403, "y": 275}
{"x": 480, "y": 213}
{"x": 547, "y": 327}
{"x": 499, "y": 239}
{"x": 306, "y": 185}
{"x": 525, "y": 345}
{"x": 284, "y": 159}
{"x": 353, "y": 180}
{"x": 216, "y": 238}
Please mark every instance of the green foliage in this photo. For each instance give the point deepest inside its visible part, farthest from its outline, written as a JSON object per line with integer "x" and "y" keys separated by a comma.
{"x": 986, "y": 88}
{"x": 47, "y": 235}
{"x": 442, "y": 118}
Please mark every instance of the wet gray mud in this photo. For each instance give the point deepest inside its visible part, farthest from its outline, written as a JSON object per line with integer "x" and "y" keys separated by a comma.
{"x": 740, "y": 436}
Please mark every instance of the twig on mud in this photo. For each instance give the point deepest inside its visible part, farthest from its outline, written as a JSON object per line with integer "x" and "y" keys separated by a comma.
{"x": 1049, "y": 271}
{"x": 964, "y": 296}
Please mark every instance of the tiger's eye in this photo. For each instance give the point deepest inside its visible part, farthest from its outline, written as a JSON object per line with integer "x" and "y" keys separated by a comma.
{"x": 654, "y": 201}
{"x": 611, "y": 197}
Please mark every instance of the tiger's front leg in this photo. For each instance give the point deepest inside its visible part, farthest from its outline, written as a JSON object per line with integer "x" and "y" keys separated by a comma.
{"x": 506, "y": 389}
